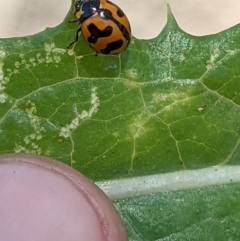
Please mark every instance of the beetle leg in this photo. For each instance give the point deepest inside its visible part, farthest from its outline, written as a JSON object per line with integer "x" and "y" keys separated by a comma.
{"x": 76, "y": 39}
{"x": 96, "y": 54}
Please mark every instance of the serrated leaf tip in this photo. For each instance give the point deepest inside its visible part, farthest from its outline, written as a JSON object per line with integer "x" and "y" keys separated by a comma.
{"x": 170, "y": 17}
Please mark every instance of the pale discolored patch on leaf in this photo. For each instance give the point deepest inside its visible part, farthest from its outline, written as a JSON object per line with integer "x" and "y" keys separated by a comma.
{"x": 167, "y": 104}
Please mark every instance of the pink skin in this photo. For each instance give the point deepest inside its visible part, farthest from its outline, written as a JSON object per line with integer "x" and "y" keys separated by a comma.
{"x": 42, "y": 199}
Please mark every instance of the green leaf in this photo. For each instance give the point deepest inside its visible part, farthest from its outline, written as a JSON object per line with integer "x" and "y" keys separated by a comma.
{"x": 165, "y": 104}
{"x": 210, "y": 213}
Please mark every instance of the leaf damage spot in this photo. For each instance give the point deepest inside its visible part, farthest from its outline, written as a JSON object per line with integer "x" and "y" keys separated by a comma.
{"x": 30, "y": 145}
{"x": 110, "y": 67}
{"x": 2, "y": 79}
{"x": 132, "y": 74}
{"x": 137, "y": 128}
{"x": 53, "y": 54}
{"x": 168, "y": 97}
{"x": 71, "y": 52}
{"x": 215, "y": 54}
{"x": 2, "y": 54}
{"x": 154, "y": 47}
{"x": 66, "y": 130}
{"x": 159, "y": 97}
{"x": 184, "y": 82}
{"x": 3, "y": 98}
{"x": 130, "y": 84}
{"x": 17, "y": 64}
{"x": 182, "y": 58}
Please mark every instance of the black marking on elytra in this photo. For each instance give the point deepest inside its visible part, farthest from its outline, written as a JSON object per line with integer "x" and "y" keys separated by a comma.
{"x": 107, "y": 15}
{"x": 124, "y": 32}
{"x": 96, "y": 33}
{"x": 120, "y": 13}
{"x": 112, "y": 46}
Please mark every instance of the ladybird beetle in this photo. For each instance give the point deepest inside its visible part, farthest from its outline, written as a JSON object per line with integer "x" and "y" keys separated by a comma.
{"x": 103, "y": 25}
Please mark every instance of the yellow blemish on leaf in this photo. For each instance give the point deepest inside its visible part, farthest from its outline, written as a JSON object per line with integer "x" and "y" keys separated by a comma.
{"x": 137, "y": 128}
{"x": 132, "y": 74}
{"x": 3, "y": 81}
{"x": 3, "y": 98}
{"x": 130, "y": 84}
{"x": 66, "y": 130}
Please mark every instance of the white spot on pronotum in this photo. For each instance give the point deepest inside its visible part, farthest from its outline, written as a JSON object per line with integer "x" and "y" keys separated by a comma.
{"x": 94, "y": 104}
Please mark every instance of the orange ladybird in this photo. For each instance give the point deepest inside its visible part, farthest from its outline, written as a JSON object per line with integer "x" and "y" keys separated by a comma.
{"x": 103, "y": 25}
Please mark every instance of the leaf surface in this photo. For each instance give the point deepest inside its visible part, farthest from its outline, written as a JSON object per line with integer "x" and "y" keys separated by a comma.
{"x": 165, "y": 104}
